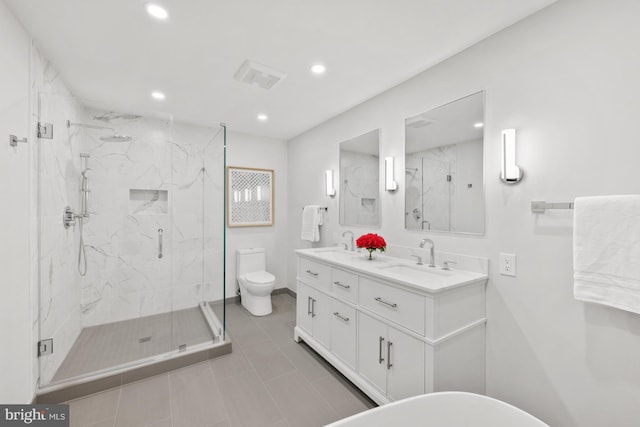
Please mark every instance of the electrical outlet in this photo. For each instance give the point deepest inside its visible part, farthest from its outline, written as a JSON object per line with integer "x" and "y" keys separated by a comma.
{"x": 508, "y": 264}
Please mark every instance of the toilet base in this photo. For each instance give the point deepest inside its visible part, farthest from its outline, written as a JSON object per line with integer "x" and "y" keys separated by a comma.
{"x": 256, "y": 305}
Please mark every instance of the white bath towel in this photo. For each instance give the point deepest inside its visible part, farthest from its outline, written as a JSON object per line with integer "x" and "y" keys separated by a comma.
{"x": 311, "y": 221}
{"x": 606, "y": 251}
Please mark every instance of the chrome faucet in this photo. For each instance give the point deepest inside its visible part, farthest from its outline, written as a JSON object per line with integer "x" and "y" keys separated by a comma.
{"x": 431, "y": 251}
{"x": 351, "y": 243}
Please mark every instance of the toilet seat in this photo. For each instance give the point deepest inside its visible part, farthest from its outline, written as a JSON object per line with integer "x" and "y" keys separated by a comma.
{"x": 260, "y": 277}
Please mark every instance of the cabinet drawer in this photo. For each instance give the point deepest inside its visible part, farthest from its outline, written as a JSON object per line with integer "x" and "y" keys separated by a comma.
{"x": 344, "y": 284}
{"x": 315, "y": 274}
{"x": 402, "y": 307}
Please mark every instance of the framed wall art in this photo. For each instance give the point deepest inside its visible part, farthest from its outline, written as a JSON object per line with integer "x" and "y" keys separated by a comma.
{"x": 249, "y": 197}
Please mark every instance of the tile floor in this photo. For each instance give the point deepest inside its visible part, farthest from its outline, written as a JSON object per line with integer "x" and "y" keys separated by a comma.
{"x": 112, "y": 344}
{"x": 268, "y": 380}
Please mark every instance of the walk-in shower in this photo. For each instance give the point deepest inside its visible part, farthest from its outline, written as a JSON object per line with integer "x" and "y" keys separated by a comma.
{"x": 129, "y": 276}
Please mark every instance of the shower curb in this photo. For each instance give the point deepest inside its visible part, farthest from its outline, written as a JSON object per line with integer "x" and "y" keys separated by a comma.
{"x": 75, "y": 391}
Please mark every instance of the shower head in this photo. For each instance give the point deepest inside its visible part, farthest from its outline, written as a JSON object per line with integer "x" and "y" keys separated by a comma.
{"x": 115, "y": 138}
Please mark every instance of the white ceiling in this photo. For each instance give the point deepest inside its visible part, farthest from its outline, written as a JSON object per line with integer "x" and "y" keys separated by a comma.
{"x": 112, "y": 53}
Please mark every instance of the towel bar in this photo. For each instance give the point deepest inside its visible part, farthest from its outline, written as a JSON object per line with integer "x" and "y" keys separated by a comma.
{"x": 541, "y": 207}
{"x": 323, "y": 208}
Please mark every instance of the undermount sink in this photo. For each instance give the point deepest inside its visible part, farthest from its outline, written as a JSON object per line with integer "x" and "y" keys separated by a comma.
{"x": 334, "y": 252}
{"x": 416, "y": 272}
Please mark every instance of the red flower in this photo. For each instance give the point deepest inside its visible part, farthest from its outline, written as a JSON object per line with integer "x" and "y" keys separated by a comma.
{"x": 371, "y": 242}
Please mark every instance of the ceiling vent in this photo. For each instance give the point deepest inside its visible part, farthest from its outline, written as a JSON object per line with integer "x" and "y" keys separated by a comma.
{"x": 418, "y": 122}
{"x": 258, "y": 75}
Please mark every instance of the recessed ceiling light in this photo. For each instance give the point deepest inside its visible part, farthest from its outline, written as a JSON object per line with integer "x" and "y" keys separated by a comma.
{"x": 262, "y": 117}
{"x": 318, "y": 69}
{"x": 157, "y": 11}
{"x": 158, "y": 95}
{"x": 478, "y": 125}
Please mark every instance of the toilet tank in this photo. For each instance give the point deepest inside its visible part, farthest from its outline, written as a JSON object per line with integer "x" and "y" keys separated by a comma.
{"x": 248, "y": 260}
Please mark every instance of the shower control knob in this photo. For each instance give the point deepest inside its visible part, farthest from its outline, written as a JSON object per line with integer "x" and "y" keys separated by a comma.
{"x": 68, "y": 218}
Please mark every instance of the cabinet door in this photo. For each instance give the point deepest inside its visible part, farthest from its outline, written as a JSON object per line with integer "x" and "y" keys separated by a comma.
{"x": 303, "y": 304}
{"x": 343, "y": 332}
{"x": 372, "y": 351}
{"x": 405, "y": 377}
{"x": 321, "y": 314}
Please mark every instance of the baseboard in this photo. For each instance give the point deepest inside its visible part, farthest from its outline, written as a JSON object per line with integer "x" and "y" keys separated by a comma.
{"x": 236, "y": 298}
{"x": 284, "y": 291}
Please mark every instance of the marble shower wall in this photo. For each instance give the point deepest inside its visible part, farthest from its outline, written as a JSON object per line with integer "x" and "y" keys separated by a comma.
{"x": 169, "y": 178}
{"x": 454, "y": 204}
{"x": 180, "y": 173}
{"x": 429, "y": 192}
{"x": 55, "y": 171}
{"x": 360, "y": 190}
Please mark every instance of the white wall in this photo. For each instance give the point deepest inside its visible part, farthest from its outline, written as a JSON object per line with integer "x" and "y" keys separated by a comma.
{"x": 567, "y": 79}
{"x": 264, "y": 153}
{"x": 15, "y": 330}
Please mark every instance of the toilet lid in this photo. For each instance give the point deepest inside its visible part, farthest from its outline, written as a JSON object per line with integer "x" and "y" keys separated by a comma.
{"x": 260, "y": 277}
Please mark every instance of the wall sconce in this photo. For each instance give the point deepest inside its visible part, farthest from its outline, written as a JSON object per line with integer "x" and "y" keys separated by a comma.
{"x": 511, "y": 173}
{"x": 389, "y": 183}
{"x": 329, "y": 189}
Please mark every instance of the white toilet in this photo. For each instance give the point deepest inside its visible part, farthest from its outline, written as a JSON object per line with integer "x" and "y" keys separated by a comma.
{"x": 256, "y": 284}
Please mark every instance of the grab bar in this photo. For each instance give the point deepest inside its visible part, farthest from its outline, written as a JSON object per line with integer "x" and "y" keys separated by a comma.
{"x": 160, "y": 233}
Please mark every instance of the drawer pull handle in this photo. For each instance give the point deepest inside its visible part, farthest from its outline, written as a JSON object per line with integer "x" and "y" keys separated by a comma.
{"x": 342, "y": 285}
{"x": 312, "y": 273}
{"x": 338, "y": 315}
{"x": 308, "y": 306}
{"x": 389, "y": 364}
{"x": 390, "y": 304}
{"x": 380, "y": 358}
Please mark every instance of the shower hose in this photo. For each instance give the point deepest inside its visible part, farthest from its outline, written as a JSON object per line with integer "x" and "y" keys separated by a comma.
{"x": 82, "y": 256}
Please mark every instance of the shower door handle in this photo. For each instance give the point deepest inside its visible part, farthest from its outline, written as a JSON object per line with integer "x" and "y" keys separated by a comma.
{"x": 160, "y": 233}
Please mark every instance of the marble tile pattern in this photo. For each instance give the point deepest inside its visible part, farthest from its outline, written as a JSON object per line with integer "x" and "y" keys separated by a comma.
{"x": 359, "y": 189}
{"x": 183, "y": 164}
{"x": 125, "y": 277}
{"x": 428, "y": 190}
{"x": 56, "y": 164}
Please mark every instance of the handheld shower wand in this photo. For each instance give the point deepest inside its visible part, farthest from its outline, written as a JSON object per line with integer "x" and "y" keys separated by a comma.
{"x": 84, "y": 212}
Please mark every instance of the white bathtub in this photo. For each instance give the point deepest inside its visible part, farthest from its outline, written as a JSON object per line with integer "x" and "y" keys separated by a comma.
{"x": 445, "y": 409}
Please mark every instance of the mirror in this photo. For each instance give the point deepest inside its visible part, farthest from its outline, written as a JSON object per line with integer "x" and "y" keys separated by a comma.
{"x": 360, "y": 180}
{"x": 444, "y": 168}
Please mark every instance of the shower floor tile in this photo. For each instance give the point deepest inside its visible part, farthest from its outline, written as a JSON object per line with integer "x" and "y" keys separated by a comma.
{"x": 268, "y": 381}
{"x": 104, "y": 346}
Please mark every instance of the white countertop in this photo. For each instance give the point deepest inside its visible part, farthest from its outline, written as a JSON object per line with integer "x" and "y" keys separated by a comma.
{"x": 397, "y": 270}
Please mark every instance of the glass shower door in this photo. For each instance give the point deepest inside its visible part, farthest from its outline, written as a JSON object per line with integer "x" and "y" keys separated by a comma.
{"x": 105, "y": 235}
{"x": 131, "y": 238}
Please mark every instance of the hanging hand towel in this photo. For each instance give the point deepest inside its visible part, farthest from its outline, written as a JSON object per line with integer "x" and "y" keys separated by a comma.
{"x": 311, "y": 220}
{"x": 606, "y": 251}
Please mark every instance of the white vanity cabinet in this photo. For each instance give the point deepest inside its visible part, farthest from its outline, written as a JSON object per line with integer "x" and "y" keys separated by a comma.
{"x": 392, "y": 335}
{"x": 313, "y": 308}
{"x": 390, "y": 359}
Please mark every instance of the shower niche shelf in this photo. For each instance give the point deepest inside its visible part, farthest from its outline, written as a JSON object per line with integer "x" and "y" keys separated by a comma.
{"x": 148, "y": 202}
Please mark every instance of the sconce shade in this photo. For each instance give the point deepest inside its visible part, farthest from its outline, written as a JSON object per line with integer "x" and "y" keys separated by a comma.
{"x": 389, "y": 182}
{"x": 511, "y": 173}
{"x": 329, "y": 189}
